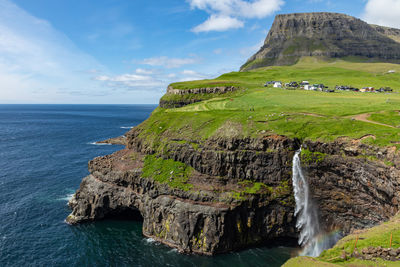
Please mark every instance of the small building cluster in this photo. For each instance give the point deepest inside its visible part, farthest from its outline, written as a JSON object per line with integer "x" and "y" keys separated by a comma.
{"x": 364, "y": 89}
{"x": 305, "y": 85}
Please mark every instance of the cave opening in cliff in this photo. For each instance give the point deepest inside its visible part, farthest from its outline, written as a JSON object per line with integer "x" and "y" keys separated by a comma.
{"x": 126, "y": 214}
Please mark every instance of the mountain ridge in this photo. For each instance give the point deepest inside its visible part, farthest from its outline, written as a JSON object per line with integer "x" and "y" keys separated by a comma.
{"x": 324, "y": 34}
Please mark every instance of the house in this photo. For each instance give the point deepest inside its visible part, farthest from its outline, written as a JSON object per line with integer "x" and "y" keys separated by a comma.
{"x": 303, "y": 83}
{"x": 367, "y": 89}
{"x": 278, "y": 85}
{"x": 269, "y": 83}
{"x": 391, "y": 71}
{"x": 384, "y": 90}
{"x": 309, "y": 87}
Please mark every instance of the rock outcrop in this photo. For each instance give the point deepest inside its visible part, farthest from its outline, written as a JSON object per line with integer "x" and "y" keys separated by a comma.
{"x": 207, "y": 220}
{"x": 176, "y": 98}
{"x": 225, "y": 210}
{"x": 331, "y": 35}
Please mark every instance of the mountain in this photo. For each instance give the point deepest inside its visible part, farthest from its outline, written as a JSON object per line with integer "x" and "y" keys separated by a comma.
{"x": 331, "y": 35}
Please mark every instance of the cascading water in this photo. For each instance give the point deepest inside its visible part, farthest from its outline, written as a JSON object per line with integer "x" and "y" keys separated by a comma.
{"x": 311, "y": 238}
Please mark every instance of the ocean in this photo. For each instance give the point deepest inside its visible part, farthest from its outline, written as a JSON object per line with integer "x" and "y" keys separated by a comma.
{"x": 44, "y": 150}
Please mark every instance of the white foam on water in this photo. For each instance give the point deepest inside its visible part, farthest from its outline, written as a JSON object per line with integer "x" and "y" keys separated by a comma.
{"x": 67, "y": 198}
{"x": 99, "y": 144}
{"x": 126, "y": 127}
{"x": 149, "y": 240}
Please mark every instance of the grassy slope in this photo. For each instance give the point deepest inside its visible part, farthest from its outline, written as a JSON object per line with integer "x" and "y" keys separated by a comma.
{"x": 287, "y": 112}
{"x": 376, "y": 236}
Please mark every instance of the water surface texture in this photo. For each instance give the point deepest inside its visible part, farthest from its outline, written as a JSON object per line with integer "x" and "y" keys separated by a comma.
{"x": 44, "y": 150}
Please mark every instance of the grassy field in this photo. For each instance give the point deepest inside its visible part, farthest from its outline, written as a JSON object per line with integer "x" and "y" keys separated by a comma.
{"x": 255, "y": 110}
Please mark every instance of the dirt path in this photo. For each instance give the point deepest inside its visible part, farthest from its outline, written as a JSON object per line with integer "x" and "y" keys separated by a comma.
{"x": 312, "y": 114}
{"x": 364, "y": 117}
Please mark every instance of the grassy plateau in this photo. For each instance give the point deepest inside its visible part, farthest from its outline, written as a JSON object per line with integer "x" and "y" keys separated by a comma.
{"x": 254, "y": 110}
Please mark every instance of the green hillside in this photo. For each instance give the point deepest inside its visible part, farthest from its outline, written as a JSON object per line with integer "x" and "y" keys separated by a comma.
{"x": 255, "y": 110}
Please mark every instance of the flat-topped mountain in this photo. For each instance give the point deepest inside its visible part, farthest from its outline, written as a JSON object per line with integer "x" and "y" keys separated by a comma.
{"x": 324, "y": 34}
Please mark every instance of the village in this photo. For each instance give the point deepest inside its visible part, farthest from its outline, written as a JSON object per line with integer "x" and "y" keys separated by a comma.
{"x": 305, "y": 85}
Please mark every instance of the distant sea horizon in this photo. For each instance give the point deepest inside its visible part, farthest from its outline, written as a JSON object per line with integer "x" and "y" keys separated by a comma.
{"x": 44, "y": 151}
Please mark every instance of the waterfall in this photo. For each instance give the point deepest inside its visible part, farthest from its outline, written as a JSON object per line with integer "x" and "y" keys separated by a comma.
{"x": 312, "y": 239}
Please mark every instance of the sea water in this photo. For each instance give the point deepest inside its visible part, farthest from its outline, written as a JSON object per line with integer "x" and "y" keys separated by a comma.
{"x": 44, "y": 150}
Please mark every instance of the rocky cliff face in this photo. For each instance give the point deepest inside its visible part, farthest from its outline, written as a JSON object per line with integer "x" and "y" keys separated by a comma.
{"x": 329, "y": 35}
{"x": 227, "y": 208}
{"x": 176, "y": 98}
{"x": 208, "y": 219}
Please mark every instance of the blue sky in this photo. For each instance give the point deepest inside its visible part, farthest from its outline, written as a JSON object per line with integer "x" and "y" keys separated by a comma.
{"x": 128, "y": 51}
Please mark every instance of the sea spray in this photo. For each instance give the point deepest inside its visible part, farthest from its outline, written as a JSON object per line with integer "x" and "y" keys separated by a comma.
{"x": 311, "y": 238}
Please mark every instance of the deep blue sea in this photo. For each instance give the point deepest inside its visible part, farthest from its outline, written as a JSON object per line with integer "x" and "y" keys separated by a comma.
{"x": 44, "y": 150}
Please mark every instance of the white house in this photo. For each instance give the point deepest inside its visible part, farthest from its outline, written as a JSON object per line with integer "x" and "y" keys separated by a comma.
{"x": 391, "y": 71}
{"x": 278, "y": 85}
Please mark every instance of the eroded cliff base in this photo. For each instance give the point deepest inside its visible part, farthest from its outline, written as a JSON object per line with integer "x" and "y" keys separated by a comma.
{"x": 228, "y": 194}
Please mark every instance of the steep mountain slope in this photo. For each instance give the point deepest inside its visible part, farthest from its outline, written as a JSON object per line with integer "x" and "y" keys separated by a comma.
{"x": 329, "y": 35}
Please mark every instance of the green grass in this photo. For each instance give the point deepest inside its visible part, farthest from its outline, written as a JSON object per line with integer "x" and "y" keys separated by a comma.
{"x": 308, "y": 157}
{"x": 294, "y": 113}
{"x": 390, "y": 117}
{"x": 167, "y": 171}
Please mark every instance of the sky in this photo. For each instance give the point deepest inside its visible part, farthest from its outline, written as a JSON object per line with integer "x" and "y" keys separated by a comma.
{"x": 128, "y": 51}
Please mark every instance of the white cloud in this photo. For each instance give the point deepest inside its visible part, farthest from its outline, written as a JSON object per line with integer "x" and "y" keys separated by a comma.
{"x": 169, "y": 63}
{"x": 144, "y": 71}
{"x": 190, "y": 75}
{"x": 383, "y": 12}
{"x": 130, "y": 81}
{"x": 35, "y": 60}
{"x": 229, "y": 14}
{"x": 218, "y": 23}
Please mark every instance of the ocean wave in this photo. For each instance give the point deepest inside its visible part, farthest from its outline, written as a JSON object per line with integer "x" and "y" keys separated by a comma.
{"x": 99, "y": 144}
{"x": 174, "y": 250}
{"x": 149, "y": 240}
{"x": 67, "y": 197}
{"x": 126, "y": 127}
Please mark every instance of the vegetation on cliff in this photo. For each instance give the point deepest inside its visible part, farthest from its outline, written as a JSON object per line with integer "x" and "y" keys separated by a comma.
{"x": 345, "y": 251}
{"x": 255, "y": 111}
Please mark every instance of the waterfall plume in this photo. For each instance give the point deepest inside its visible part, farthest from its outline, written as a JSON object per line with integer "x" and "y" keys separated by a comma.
{"x": 312, "y": 239}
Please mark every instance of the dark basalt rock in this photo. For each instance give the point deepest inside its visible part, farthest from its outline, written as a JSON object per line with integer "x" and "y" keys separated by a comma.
{"x": 324, "y": 34}
{"x": 351, "y": 190}
{"x": 200, "y": 221}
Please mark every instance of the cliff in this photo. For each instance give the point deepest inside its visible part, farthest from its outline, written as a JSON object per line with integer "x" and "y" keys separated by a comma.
{"x": 210, "y": 171}
{"x": 240, "y": 190}
{"x": 330, "y": 35}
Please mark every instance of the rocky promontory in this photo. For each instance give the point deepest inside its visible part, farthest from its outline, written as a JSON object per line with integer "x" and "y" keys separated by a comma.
{"x": 238, "y": 192}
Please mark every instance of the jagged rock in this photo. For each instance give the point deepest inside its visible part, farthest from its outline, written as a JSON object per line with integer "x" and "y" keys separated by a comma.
{"x": 201, "y": 222}
{"x": 324, "y": 34}
{"x": 351, "y": 191}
